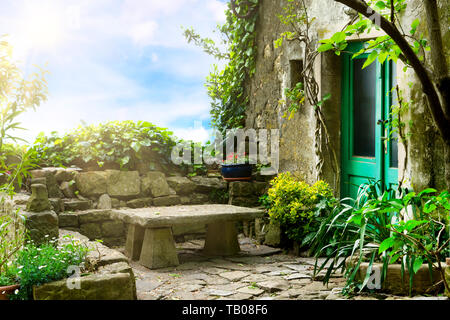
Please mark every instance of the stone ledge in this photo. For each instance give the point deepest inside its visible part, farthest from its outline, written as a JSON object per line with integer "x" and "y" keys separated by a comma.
{"x": 113, "y": 278}
{"x": 116, "y": 286}
{"x": 393, "y": 283}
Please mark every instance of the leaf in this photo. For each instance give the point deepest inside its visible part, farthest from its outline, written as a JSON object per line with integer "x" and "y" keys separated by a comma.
{"x": 386, "y": 244}
{"x": 411, "y": 224}
{"x": 380, "y": 5}
{"x": 338, "y": 37}
{"x": 414, "y": 26}
{"x": 325, "y": 47}
{"x": 371, "y": 58}
{"x": 417, "y": 264}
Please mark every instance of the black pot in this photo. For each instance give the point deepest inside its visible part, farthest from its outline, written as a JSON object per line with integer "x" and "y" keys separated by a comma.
{"x": 237, "y": 172}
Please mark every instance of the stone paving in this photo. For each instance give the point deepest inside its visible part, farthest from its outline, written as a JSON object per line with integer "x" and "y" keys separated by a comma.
{"x": 257, "y": 273}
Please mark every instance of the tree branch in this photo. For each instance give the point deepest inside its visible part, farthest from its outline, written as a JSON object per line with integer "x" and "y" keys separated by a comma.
{"x": 437, "y": 52}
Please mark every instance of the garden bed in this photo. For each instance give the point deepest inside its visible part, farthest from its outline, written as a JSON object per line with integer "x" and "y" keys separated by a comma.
{"x": 112, "y": 278}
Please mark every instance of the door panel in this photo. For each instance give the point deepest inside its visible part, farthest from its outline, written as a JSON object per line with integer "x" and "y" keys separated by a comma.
{"x": 366, "y": 101}
{"x": 364, "y": 109}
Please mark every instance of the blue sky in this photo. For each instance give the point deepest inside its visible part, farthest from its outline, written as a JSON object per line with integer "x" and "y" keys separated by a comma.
{"x": 115, "y": 60}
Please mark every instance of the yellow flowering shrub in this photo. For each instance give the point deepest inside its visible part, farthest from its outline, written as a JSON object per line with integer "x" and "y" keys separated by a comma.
{"x": 294, "y": 203}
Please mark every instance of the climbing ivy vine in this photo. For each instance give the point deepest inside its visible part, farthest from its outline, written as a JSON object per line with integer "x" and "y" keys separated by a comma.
{"x": 226, "y": 87}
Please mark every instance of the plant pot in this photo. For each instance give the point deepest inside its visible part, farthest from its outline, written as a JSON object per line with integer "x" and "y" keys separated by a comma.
{"x": 237, "y": 172}
{"x": 7, "y": 290}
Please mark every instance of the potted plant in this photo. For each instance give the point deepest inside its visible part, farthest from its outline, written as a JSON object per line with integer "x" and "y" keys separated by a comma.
{"x": 236, "y": 168}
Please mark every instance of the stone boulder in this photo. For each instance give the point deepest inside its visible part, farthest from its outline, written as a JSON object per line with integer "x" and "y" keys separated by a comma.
{"x": 68, "y": 220}
{"x": 273, "y": 235}
{"x": 181, "y": 185}
{"x": 91, "y": 183}
{"x": 123, "y": 184}
{"x": 41, "y": 226}
{"x": 208, "y": 185}
{"x": 68, "y": 189}
{"x": 117, "y": 286}
{"x": 104, "y": 202}
{"x": 66, "y": 175}
{"x": 246, "y": 194}
{"x": 49, "y": 175}
{"x": 154, "y": 184}
{"x": 38, "y": 200}
{"x": 166, "y": 201}
{"x": 57, "y": 204}
{"x": 77, "y": 205}
{"x": 140, "y": 203}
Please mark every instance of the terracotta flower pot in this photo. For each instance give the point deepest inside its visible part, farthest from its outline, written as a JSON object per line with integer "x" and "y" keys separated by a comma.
{"x": 7, "y": 290}
{"x": 448, "y": 261}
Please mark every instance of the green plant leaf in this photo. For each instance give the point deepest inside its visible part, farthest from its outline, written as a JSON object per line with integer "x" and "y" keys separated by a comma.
{"x": 386, "y": 244}
{"x": 371, "y": 58}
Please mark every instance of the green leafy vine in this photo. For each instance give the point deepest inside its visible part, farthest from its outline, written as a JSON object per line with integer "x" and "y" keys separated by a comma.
{"x": 226, "y": 87}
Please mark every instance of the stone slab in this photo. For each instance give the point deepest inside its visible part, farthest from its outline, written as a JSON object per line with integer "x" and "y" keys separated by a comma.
{"x": 168, "y": 216}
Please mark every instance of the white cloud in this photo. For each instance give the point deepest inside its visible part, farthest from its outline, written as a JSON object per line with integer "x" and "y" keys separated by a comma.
{"x": 143, "y": 33}
{"x": 93, "y": 68}
{"x": 217, "y": 8}
{"x": 196, "y": 135}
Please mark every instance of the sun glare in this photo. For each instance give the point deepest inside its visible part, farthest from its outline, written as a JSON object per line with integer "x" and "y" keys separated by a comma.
{"x": 41, "y": 28}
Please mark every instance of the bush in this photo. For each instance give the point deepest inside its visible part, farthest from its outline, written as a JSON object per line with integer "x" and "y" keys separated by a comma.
{"x": 119, "y": 142}
{"x": 297, "y": 206}
{"x": 37, "y": 265}
{"x": 384, "y": 225}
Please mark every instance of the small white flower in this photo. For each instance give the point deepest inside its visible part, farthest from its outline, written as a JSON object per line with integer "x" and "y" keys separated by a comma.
{"x": 16, "y": 291}
{"x": 41, "y": 267}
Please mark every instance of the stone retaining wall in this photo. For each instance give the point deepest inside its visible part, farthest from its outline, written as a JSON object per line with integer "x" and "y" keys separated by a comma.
{"x": 73, "y": 190}
{"x": 113, "y": 278}
{"x": 81, "y": 199}
{"x": 395, "y": 285}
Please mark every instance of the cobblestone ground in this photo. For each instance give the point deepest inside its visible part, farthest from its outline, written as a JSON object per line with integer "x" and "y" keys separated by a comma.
{"x": 257, "y": 273}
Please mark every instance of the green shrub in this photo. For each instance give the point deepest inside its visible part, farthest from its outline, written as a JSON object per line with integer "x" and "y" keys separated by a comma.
{"x": 119, "y": 142}
{"x": 374, "y": 227}
{"x": 296, "y": 205}
{"x": 37, "y": 265}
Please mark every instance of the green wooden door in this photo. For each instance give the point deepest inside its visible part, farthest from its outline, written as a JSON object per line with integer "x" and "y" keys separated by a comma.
{"x": 366, "y": 100}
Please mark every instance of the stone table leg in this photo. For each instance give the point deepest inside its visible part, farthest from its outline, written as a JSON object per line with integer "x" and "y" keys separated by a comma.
{"x": 133, "y": 246}
{"x": 221, "y": 239}
{"x": 158, "y": 249}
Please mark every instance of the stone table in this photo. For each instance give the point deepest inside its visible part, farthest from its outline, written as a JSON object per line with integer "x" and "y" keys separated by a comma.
{"x": 150, "y": 239}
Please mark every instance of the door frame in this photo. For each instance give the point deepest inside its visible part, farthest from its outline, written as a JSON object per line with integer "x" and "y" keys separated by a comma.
{"x": 379, "y": 166}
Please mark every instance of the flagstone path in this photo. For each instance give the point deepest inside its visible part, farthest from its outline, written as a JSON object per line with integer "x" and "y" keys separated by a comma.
{"x": 257, "y": 273}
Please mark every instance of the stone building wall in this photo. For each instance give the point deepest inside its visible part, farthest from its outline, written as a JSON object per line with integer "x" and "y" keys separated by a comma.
{"x": 279, "y": 68}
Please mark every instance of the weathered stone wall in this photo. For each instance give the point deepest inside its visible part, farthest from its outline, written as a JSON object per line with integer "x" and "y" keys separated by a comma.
{"x": 82, "y": 200}
{"x": 279, "y": 68}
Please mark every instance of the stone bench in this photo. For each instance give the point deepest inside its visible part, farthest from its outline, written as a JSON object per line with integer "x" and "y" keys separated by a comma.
{"x": 150, "y": 239}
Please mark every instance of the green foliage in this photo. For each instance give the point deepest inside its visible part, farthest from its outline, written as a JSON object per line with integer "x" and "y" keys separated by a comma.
{"x": 409, "y": 229}
{"x": 120, "y": 142}
{"x": 226, "y": 87}
{"x": 296, "y": 96}
{"x": 296, "y": 205}
{"x": 15, "y": 163}
{"x": 37, "y": 265}
{"x": 294, "y": 15}
{"x": 264, "y": 201}
{"x": 219, "y": 196}
{"x": 17, "y": 93}
{"x": 12, "y": 235}
{"x": 382, "y": 48}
